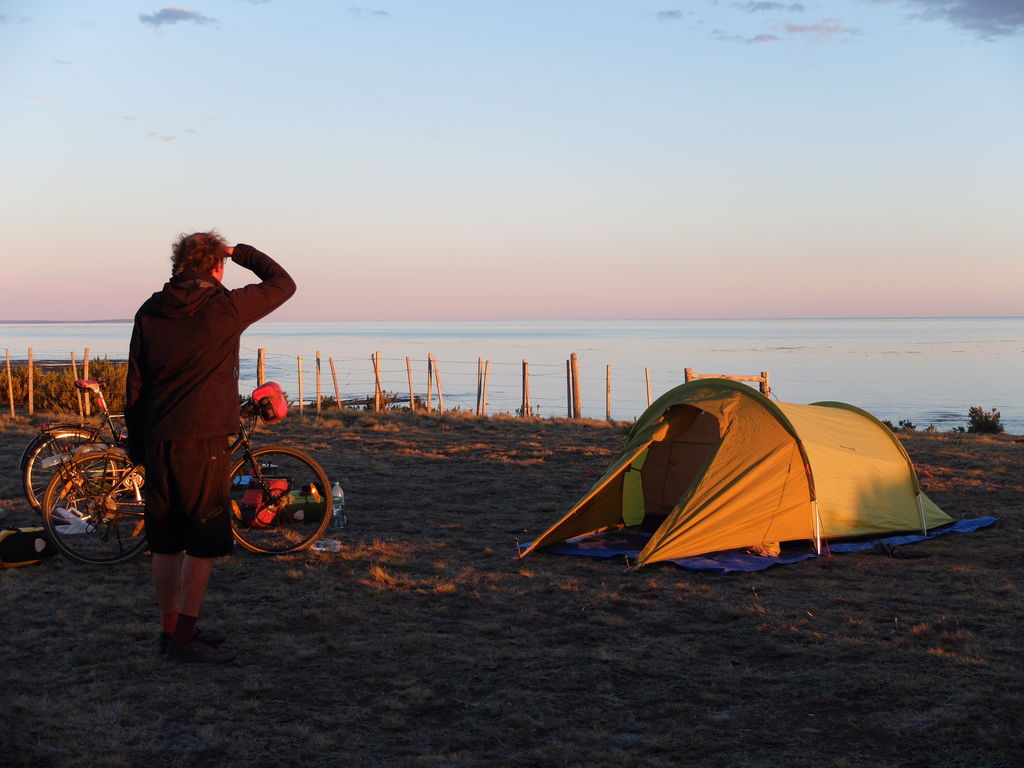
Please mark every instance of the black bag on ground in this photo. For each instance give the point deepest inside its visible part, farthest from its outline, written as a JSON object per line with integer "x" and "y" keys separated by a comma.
{"x": 24, "y": 546}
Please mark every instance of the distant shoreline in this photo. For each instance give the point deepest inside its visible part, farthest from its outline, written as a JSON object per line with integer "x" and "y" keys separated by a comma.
{"x": 63, "y": 322}
{"x": 562, "y": 320}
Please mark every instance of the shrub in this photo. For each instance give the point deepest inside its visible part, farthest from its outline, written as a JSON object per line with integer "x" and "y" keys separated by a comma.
{"x": 53, "y": 387}
{"x": 394, "y": 401}
{"x": 905, "y": 425}
{"x": 983, "y": 422}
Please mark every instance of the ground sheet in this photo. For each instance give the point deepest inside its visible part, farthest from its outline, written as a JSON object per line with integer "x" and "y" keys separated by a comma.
{"x": 629, "y": 543}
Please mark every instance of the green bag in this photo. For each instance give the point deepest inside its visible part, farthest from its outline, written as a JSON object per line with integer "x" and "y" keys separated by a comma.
{"x": 304, "y": 507}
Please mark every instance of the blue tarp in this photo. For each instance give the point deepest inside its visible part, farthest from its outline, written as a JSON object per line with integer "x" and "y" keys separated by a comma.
{"x": 629, "y": 543}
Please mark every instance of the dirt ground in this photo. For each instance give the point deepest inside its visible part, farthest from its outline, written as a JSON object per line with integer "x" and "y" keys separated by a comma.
{"x": 427, "y": 642}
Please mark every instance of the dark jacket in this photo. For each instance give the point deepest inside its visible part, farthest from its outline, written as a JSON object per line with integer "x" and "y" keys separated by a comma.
{"x": 183, "y": 361}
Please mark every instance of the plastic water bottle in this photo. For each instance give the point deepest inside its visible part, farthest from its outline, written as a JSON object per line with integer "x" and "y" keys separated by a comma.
{"x": 327, "y": 545}
{"x": 338, "y": 518}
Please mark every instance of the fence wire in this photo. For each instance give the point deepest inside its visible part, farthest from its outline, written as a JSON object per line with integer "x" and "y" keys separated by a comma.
{"x": 464, "y": 386}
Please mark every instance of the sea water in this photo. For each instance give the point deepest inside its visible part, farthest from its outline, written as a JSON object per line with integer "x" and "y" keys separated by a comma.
{"x": 923, "y": 370}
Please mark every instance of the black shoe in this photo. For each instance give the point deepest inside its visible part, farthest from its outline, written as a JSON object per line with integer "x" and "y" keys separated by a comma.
{"x": 212, "y": 639}
{"x": 195, "y": 650}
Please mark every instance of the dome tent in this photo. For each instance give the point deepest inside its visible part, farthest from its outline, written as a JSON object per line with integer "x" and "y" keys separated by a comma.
{"x": 714, "y": 465}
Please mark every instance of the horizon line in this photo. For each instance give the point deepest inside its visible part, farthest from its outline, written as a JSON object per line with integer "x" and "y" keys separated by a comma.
{"x": 559, "y": 319}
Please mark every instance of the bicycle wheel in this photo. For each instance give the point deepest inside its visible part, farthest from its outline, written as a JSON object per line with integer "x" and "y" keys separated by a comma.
{"x": 41, "y": 458}
{"x": 93, "y": 508}
{"x": 39, "y": 437}
{"x": 280, "y": 500}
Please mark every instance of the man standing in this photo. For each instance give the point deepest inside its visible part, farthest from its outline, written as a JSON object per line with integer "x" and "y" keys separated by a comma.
{"x": 181, "y": 405}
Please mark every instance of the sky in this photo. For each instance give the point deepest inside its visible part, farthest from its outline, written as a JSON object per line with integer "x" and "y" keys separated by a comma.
{"x": 491, "y": 159}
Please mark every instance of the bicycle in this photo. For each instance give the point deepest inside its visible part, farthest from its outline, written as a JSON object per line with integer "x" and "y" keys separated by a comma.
{"x": 56, "y": 442}
{"x": 280, "y": 501}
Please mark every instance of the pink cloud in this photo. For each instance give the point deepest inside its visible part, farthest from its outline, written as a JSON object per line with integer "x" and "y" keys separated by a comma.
{"x": 823, "y": 30}
{"x": 192, "y": 130}
{"x": 727, "y": 38}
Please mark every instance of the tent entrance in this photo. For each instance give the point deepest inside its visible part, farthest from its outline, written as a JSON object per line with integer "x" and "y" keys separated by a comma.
{"x": 673, "y": 463}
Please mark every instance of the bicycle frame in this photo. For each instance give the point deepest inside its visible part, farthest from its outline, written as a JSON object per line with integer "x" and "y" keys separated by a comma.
{"x": 95, "y": 387}
{"x": 132, "y": 479}
{"x": 98, "y": 507}
{"x": 105, "y": 494}
{"x": 243, "y": 440}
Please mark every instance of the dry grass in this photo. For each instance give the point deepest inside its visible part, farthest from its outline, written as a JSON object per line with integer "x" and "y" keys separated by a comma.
{"x": 425, "y": 642}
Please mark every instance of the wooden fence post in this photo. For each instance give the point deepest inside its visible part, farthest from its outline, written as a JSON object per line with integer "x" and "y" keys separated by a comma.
{"x": 568, "y": 389}
{"x": 577, "y": 409}
{"x": 78, "y": 392}
{"x": 261, "y": 367}
{"x": 762, "y": 381}
{"x": 647, "y": 376}
{"x": 85, "y": 375}
{"x": 608, "y": 393}
{"x": 479, "y": 382}
{"x": 437, "y": 379}
{"x": 10, "y": 382}
{"x": 377, "y": 394}
{"x": 412, "y": 396}
{"x": 298, "y": 360}
{"x": 430, "y": 379}
{"x": 319, "y": 392}
{"x": 483, "y": 401}
{"x": 31, "y": 404}
{"x": 526, "y": 409}
{"x": 334, "y": 376}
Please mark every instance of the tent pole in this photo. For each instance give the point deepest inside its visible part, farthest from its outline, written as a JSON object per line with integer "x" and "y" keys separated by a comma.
{"x": 817, "y": 527}
{"x": 920, "y": 512}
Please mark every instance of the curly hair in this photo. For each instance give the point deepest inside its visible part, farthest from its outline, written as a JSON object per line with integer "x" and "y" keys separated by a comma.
{"x": 198, "y": 252}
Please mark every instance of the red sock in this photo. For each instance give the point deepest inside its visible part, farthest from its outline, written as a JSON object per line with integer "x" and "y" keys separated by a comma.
{"x": 169, "y": 621}
{"x": 185, "y": 629}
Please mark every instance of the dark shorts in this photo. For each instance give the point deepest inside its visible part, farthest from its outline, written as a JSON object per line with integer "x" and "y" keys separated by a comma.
{"x": 188, "y": 497}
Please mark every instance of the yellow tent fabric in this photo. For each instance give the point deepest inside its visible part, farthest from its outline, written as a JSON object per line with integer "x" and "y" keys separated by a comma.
{"x": 714, "y": 465}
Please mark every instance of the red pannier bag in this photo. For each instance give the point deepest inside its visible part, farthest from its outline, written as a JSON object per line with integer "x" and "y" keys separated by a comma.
{"x": 270, "y": 402}
{"x": 259, "y": 512}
